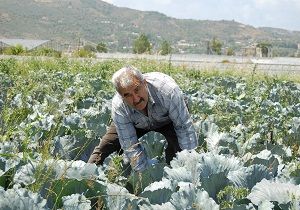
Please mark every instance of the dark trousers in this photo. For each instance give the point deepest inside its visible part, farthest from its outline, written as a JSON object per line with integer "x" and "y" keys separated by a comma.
{"x": 110, "y": 143}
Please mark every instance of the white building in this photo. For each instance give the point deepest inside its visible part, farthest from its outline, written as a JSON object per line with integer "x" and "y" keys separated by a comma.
{"x": 29, "y": 44}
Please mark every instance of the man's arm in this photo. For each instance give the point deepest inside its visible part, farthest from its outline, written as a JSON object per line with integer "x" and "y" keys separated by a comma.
{"x": 182, "y": 122}
{"x": 128, "y": 141}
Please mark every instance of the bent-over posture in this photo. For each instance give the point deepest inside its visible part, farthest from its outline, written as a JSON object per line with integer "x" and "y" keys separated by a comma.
{"x": 143, "y": 103}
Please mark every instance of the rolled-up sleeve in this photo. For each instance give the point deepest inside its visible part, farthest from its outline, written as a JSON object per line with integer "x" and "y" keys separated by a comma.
{"x": 181, "y": 119}
{"x": 128, "y": 140}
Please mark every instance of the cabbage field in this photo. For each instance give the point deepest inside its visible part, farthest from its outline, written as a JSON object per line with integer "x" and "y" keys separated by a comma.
{"x": 53, "y": 112}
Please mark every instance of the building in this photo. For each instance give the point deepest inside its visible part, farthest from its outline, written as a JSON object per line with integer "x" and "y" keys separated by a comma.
{"x": 28, "y": 44}
{"x": 256, "y": 51}
{"x": 249, "y": 51}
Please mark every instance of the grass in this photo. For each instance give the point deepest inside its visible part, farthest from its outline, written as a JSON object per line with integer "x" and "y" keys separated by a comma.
{"x": 24, "y": 68}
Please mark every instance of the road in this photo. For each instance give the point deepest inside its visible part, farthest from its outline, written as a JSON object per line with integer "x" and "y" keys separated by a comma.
{"x": 276, "y": 65}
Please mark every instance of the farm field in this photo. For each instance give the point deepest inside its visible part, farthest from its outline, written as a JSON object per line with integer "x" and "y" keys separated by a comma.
{"x": 53, "y": 112}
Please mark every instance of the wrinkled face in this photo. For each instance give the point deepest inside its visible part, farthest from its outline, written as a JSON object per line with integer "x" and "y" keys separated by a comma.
{"x": 136, "y": 94}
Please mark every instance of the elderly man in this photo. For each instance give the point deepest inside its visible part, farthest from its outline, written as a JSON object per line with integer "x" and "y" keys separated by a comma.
{"x": 143, "y": 103}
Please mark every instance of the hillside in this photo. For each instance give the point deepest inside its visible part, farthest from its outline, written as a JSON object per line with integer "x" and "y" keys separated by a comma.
{"x": 68, "y": 21}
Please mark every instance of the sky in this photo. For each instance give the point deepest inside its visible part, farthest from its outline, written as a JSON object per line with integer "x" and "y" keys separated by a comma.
{"x": 283, "y": 14}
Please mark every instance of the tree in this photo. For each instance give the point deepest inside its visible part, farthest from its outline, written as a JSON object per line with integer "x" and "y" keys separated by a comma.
{"x": 89, "y": 48}
{"x": 101, "y": 47}
{"x": 230, "y": 51}
{"x": 165, "y": 48}
{"x": 216, "y": 46}
{"x": 141, "y": 45}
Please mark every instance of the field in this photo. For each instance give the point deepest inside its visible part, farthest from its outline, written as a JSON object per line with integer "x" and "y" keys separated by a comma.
{"x": 53, "y": 112}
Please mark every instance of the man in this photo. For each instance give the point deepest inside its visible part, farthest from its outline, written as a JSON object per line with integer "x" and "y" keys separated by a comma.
{"x": 143, "y": 103}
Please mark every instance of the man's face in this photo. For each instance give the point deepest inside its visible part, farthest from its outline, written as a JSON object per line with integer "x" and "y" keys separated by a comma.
{"x": 136, "y": 94}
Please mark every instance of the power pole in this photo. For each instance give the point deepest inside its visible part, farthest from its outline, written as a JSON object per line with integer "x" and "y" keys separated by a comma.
{"x": 208, "y": 49}
{"x": 78, "y": 46}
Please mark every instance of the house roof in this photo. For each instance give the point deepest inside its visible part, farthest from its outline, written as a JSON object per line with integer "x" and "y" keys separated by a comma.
{"x": 27, "y": 43}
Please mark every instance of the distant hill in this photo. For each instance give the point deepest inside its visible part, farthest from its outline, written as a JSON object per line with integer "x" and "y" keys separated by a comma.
{"x": 69, "y": 21}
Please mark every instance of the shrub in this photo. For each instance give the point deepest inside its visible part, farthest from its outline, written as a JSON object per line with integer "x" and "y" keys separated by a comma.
{"x": 83, "y": 53}
{"x": 15, "y": 50}
{"x": 46, "y": 52}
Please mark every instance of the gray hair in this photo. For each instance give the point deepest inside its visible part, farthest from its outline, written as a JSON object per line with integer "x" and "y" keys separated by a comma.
{"x": 124, "y": 77}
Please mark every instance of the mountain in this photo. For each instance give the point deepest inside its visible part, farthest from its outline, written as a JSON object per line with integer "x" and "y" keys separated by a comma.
{"x": 69, "y": 21}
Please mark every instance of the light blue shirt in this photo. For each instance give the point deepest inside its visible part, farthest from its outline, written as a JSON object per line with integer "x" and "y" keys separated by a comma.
{"x": 165, "y": 105}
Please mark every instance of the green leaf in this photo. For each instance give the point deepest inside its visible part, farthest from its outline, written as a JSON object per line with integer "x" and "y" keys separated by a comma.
{"x": 117, "y": 197}
{"x": 214, "y": 183}
{"x": 249, "y": 176}
{"x": 213, "y": 164}
{"x": 73, "y": 121}
{"x": 266, "y": 205}
{"x": 158, "y": 192}
{"x": 266, "y": 190}
{"x": 154, "y": 144}
{"x": 21, "y": 199}
{"x": 193, "y": 167}
{"x": 76, "y": 202}
{"x": 138, "y": 181}
{"x": 180, "y": 174}
{"x": 266, "y": 158}
{"x": 57, "y": 189}
{"x": 9, "y": 156}
{"x": 187, "y": 159}
{"x": 253, "y": 144}
{"x": 189, "y": 197}
{"x": 242, "y": 207}
{"x": 57, "y": 169}
{"x": 164, "y": 206}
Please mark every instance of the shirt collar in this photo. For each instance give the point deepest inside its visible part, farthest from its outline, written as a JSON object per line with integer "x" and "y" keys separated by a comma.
{"x": 150, "y": 98}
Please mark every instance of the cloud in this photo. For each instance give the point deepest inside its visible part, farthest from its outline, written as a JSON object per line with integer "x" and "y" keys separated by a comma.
{"x": 109, "y": 1}
{"x": 162, "y": 2}
{"x": 276, "y": 4}
{"x": 263, "y": 3}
